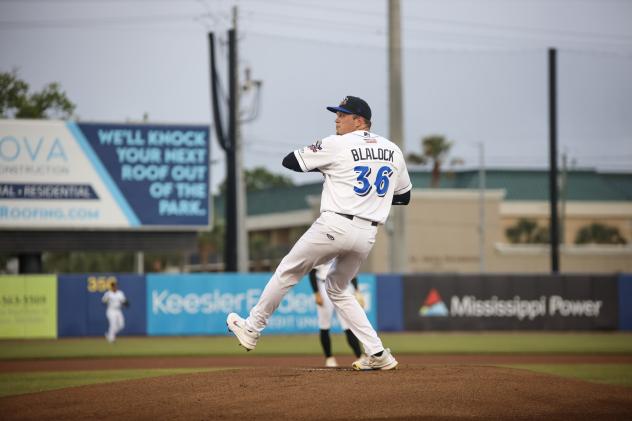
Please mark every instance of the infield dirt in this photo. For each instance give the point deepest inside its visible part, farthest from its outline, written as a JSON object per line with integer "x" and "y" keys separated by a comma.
{"x": 298, "y": 389}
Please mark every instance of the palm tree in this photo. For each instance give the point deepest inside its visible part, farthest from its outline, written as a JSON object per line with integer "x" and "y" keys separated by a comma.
{"x": 435, "y": 149}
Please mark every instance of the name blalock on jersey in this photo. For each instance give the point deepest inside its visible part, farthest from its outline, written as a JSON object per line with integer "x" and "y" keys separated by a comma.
{"x": 372, "y": 154}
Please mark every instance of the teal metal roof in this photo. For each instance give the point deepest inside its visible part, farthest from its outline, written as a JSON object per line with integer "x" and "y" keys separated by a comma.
{"x": 276, "y": 199}
{"x": 519, "y": 185}
{"x": 534, "y": 184}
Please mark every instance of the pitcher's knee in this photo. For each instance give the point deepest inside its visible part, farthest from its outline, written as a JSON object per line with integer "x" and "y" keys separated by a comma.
{"x": 288, "y": 276}
{"x": 287, "y": 280}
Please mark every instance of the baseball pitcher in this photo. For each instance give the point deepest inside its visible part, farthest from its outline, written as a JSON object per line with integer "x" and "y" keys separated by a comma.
{"x": 364, "y": 174}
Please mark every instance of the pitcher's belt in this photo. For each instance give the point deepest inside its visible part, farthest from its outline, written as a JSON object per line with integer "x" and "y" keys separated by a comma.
{"x": 353, "y": 216}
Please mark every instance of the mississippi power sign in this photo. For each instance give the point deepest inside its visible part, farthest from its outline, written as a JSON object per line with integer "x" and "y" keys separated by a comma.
{"x": 510, "y": 302}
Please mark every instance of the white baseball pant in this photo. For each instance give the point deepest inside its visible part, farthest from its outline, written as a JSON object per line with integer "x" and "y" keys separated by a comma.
{"x": 325, "y": 312}
{"x": 116, "y": 323}
{"x": 330, "y": 236}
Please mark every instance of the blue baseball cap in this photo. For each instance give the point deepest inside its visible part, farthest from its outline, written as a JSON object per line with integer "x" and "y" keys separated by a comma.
{"x": 353, "y": 105}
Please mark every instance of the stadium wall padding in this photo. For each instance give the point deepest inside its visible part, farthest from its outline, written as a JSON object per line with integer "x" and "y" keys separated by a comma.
{"x": 389, "y": 303}
{"x": 510, "y": 302}
{"x": 28, "y": 306}
{"x": 81, "y": 312}
{"x": 625, "y": 302}
{"x": 197, "y": 304}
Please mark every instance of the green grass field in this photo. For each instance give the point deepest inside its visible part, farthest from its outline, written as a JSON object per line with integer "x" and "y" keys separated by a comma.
{"x": 401, "y": 343}
{"x": 20, "y": 383}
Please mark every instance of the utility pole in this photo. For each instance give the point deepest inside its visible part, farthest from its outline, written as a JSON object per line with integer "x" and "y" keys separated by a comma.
{"x": 553, "y": 189}
{"x": 230, "y": 246}
{"x": 226, "y": 140}
{"x": 398, "y": 241}
{"x": 481, "y": 206}
{"x": 140, "y": 262}
{"x": 236, "y": 239}
{"x": 240, "y": 185}
{"x": 30, "y": 262}
{"x": 563, "y": 189}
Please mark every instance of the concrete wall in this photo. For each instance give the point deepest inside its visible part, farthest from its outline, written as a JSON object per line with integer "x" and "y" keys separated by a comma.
{"x": 444, "y": 234}
{"x": 444, "y": 237}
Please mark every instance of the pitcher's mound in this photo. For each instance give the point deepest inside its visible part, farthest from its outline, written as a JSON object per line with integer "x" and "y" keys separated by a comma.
{"x": 410, "y": 393}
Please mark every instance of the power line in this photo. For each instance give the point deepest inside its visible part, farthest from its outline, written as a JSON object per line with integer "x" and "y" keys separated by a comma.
{"x": 539, "y": 31}
{"x": 91, "y": 1}
{"x": 498, "y": 40}
{"x": 520, "y": 28}
{"x": 494, "y": 42}
{"x": 89, "y": 22}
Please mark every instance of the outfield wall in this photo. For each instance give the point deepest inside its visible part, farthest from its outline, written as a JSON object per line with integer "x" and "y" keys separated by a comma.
{"x": 81, "y": 312}
{"x": 197, "y": 304}
{"x": 28, "y": 306}
{"x": 510, "y": 302}
{"x": 49, "y": 306}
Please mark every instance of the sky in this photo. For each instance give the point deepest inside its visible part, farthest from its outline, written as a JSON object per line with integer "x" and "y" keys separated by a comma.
{"x": 474, "y": 71}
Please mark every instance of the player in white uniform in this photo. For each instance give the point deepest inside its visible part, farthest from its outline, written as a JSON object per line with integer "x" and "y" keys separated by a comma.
{"x": 115, "y": 300}
{"x": 364, "y": 174}
{"x": 325, "y": 312}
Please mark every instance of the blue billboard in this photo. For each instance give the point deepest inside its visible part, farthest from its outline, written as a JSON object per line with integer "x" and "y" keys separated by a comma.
{"x": 81, "y": 312}
{"x": 60, "y": 174}
{"x": 161, "y": 171}
{"x": 197, "y": 304}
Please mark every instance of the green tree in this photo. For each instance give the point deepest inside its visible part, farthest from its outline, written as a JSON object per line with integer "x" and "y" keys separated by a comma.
{"x": 82, "y": 262}
{"x": 51, "y": 102}
{"x": 435, "y": 150}
{"x": 260, "y": 178}
{"x": 596, "y": 233}
{"x": 17, "y": 102}
{"x": 527, "y": 231}
{"x": 211, "y": 242}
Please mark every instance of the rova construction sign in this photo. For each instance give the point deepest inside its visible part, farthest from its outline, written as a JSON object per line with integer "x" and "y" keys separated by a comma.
{"x": 472, "y": 302}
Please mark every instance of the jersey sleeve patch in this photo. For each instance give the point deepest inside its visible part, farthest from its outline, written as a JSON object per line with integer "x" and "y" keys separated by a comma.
{"x": 318, "y": 155}
{"x": 316, "y": 146}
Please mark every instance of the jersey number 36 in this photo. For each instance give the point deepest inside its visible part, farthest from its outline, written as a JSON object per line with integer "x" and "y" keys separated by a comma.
{"x": 381, "y": 180}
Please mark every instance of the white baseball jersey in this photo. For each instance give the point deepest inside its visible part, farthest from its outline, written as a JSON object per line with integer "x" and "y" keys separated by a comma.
{"x": 362, "y": 173}
{"x": 114, "y": 300}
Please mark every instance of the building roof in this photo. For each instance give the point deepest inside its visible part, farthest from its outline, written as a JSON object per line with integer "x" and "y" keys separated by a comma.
{"x": 520, "y": 185}
{"x": 534, "y": 184}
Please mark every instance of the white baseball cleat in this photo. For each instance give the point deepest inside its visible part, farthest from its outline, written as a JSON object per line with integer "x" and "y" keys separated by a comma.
{"x": 247, "y": 337}
{"x": 372, "y": 362}
{"x": 331, "y": 362}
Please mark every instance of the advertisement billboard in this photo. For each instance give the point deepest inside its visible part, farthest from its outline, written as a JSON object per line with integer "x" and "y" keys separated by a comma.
{"x": 28, "y": 306}
{"x": 81, "y": 312}
{"x": 473, "y": 302}
{"x": 59, "y": 174}
{"x": 625, "y": 301}
{"x": 197, "y": 304}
